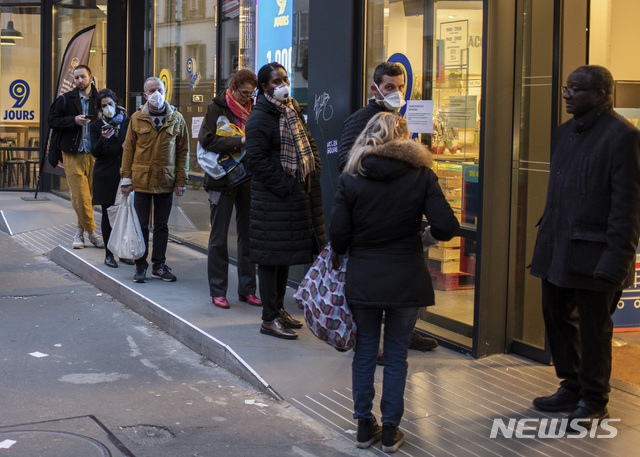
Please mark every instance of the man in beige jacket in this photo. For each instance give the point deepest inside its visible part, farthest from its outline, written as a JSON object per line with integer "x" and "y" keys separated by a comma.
{"x": 155, "y": 162}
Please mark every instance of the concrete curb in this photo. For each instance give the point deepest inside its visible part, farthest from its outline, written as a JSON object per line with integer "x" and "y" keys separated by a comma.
{"x": 185, "y": 332}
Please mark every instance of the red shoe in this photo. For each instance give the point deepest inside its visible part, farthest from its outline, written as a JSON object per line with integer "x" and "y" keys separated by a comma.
{"x": 220, "y": 302}
{"x": 250, "y": 299}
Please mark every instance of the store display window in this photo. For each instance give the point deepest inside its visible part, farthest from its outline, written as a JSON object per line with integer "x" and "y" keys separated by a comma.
{"x": 439, "y": 45}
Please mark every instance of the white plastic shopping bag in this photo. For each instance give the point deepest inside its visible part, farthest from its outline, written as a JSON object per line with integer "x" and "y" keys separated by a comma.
{"x": 126, "y": 239}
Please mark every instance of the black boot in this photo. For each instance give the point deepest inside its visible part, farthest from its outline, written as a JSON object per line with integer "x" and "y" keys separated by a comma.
{"x": 392, "y": 438}
{"x": 368, "y": 433}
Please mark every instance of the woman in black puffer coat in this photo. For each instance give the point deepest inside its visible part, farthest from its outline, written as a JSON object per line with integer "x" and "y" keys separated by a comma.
{"x": 386, "y": 188}
{"x": 106, "y": 147}
{"x": 287, "y": 220}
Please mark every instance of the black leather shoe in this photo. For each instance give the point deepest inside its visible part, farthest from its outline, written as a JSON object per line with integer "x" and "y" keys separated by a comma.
{"x": 586, "y": 417}
{"x": 562, "y": 400}
{"x": 422, "y": 343}
{"x": 110, "y": 261}
{"x": 127, "y": 261}
{"x": 277, "y": 328}
{"x": 289, "y": 321}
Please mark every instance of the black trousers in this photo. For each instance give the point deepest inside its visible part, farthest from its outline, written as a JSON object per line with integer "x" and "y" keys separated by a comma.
{"x": 105, "y": 226}
{"x": 580, "y": 330}
{"x": 161, "y": 210}
{"x": 273, "y": 286}
{"x": 218, "y": 254}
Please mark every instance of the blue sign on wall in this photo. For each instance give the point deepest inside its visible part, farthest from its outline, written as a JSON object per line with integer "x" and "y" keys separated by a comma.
{"x": 274, "y": 35}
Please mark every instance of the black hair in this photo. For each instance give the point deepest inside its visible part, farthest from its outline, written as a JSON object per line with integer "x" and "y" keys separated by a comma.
{"x": 601, "y": 78}
{"x": 104, "y": 93}
{"x": 264, "y": 74}
{"x": 80, "y": 67}
{"x": 388, "y": 69}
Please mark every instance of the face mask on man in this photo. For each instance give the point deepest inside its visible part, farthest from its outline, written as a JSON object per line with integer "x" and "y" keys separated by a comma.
{"x": 156, "y": 99}
{"x": 281, "y": 92}
{"x": 109, "y": 111}
{"x": 392, "y": 101}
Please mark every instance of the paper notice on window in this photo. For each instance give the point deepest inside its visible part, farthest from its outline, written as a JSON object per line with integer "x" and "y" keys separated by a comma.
{"x": 419, "y": 116}
{"x": 196, "y": 123}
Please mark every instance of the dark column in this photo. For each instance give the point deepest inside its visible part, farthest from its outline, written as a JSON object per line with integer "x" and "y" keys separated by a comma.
{"x": 335, "y": 81}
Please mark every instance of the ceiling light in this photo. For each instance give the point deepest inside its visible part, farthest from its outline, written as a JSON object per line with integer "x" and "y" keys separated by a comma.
{"x": 11, "y": 33}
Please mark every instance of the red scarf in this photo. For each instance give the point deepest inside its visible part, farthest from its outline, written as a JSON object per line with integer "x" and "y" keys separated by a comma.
{"x": 240, "y": 112}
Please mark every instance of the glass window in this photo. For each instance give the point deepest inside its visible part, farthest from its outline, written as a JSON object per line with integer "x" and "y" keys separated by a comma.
{"x": 439, "y": 44}
{"x": 19, "y": 96}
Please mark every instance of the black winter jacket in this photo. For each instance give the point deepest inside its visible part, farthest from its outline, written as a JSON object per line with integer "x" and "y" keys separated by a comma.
{"x": 216, "y": 143}
{"x": 588, "y": 233}
{"x": 62, "y": 117}
{"x": 287, "y": 219}
{"x": 108, "y": 154}
{"x": 377, "y": 219}
{"x": 353, "y": 127}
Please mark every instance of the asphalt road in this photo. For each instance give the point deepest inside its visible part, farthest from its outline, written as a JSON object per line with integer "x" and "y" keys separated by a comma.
{"x": 81, "y": 375}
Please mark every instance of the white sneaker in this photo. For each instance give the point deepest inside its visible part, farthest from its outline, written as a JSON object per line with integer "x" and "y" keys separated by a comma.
{"x": 96, "y": 240}
{"x": 78, "y": 241}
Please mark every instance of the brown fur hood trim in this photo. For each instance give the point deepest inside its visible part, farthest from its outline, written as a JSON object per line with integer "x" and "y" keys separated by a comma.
{"x": 415, "y": 154}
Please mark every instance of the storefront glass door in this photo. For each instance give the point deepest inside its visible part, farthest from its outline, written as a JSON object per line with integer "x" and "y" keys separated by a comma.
{"x": 439, "y": 44}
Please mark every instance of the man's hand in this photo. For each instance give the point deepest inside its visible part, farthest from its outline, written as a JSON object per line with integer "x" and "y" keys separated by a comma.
{"x": 126, "y": 190}
{"x": 180, "y": 191}
{"x": 81, "y": 119}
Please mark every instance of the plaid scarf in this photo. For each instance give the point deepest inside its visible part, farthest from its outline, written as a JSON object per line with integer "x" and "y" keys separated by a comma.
{"x": 296, "y": 156}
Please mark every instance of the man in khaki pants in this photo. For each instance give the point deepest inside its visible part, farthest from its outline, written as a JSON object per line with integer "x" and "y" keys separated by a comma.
{"x": 71, "y": 114}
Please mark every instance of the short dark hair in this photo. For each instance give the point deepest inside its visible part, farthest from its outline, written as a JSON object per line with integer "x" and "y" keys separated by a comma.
{"x": 264, "y": 74}
{"x": 242, "y": 76}
{"x": 601, "y": 78}
{"x": 388, "y": 69}
{"x": 104, "y": 93}
{"x": 80, "y": 67}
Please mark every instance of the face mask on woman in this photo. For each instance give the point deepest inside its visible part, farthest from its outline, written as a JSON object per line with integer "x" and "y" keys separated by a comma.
{"x": 109, "y": 111}
{"x": 392, "y": 101}
{"x": 281, "y": 92}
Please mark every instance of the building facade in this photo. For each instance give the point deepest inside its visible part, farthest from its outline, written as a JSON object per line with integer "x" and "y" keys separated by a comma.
{"x": 489, "y": 71}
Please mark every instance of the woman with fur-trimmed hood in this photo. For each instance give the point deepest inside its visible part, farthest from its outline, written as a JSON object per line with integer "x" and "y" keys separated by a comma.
{"x": 386, "y": 188}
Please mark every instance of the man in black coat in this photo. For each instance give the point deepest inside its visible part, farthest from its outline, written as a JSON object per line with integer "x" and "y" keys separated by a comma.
{"x": 587, "y": 239}
{"x": 71, "y": 114}
{"x": 388, "y": 83}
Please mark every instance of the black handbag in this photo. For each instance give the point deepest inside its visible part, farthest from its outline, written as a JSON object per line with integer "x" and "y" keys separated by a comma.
{"x": 238, "y": 175}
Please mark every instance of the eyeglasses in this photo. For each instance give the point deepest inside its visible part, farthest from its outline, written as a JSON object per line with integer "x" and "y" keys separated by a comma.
{"x": 575, "y": 90}
{"x": 245, "y": 93}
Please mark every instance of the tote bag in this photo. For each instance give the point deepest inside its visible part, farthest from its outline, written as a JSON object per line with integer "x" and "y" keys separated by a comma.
{"x": 321, "y": 296}
{"x": 126, "y": 239}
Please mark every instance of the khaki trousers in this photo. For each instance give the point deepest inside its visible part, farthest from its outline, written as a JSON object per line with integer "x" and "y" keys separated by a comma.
{"x": 79, "y": 170}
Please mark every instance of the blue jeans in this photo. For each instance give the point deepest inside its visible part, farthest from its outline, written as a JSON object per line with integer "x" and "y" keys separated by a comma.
{"x": 398, "y": 325}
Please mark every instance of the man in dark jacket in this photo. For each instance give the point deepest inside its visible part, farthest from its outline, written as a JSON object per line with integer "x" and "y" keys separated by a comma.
{"x": 587, "y": 240}
{"x": 71, "y": 114}
{"x": 388, "y": 80}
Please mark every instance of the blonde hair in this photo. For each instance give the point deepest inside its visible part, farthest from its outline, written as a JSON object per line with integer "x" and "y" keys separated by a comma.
{"x": 381, "y": 128}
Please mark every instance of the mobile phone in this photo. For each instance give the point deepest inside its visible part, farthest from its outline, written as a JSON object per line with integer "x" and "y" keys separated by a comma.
{"x": 106, "y": 126}
{"x": 91, "y": 117}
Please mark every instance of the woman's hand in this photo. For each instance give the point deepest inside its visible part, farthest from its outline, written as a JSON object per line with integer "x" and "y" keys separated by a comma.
{"x": 107, "y": 133}
{"x": 126, "y": 190}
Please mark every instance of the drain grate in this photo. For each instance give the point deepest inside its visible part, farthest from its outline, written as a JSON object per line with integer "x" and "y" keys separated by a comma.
{"x": 148, "y": 435}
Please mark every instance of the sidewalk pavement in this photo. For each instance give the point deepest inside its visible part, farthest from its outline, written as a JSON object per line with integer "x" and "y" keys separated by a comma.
{"x": 451, "y": 400}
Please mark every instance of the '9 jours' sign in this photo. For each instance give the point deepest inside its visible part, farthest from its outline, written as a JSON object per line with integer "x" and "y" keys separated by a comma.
{"x": 274, "y": 33}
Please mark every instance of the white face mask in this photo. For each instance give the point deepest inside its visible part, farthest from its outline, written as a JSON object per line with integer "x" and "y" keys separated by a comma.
{"x": 392, "y": 101}
{"x": 156, "y": 99}
{"x": 109, "y": 111}
{"x": 281, "y": 92}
